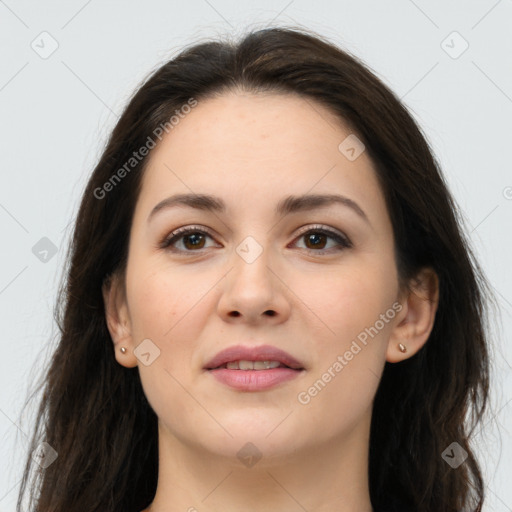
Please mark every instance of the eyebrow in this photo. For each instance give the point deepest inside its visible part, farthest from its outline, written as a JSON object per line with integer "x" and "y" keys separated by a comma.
{"x": 290, "y": 204}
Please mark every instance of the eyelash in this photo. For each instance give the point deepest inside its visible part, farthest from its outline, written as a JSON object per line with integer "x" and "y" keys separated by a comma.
{"x": 178, "y": 234}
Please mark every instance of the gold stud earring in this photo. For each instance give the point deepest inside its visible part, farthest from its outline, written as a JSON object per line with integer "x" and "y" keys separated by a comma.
{"x": 123, "y": 350}
{"x": 402, "y": 348}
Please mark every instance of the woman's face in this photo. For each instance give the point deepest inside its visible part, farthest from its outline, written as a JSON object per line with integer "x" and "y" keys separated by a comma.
{"x": 261, "y": 276}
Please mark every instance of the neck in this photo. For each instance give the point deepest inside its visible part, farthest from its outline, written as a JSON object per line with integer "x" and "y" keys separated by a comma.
{"x": 322, "y": 478}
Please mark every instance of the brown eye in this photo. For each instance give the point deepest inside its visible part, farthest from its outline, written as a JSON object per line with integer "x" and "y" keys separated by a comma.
{"x": 196, "y": 240}
{"x": 191, "y": 237}
{"x": 317, "y": 238}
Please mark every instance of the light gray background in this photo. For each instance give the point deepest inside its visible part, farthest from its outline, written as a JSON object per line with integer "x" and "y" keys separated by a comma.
{"x": 57, "y": 111}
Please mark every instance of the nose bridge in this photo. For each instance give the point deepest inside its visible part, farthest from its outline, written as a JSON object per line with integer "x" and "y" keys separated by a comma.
{"x": 252, "y": 288}
{"x": 251, "y": 260}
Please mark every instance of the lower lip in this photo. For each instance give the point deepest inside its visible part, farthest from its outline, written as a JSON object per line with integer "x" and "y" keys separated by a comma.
{"x": 254, "y": 380}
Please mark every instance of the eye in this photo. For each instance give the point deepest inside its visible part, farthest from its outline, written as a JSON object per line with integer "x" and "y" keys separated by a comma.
{"x": 193, "y": 236}
{"x": 193, "y": 239}
{"x": 317, "y": 236}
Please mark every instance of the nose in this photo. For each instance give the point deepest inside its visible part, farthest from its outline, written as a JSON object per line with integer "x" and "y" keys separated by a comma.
{"x": 254, "y": 292}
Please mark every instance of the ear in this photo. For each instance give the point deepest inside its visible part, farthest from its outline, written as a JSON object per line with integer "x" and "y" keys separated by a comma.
{"x": 415, "y": 321}
{"x": 118, "y": 319}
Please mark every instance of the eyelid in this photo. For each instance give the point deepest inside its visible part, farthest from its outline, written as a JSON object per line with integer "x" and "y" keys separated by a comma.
{"x": 321, "y": 227}
{"x": 183, "y": 231}
{"x": 343, "y": 241}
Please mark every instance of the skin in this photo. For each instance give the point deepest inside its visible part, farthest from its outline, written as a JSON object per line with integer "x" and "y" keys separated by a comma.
{"x": 253, "y": 150}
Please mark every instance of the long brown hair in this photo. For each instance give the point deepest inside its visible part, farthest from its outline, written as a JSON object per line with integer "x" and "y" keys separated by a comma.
{"x": 93, "y": 411}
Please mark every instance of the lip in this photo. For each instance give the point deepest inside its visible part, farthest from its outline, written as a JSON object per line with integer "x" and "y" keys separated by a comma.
{"x": 254, "y": 380}
{"x": 260, "y": 353}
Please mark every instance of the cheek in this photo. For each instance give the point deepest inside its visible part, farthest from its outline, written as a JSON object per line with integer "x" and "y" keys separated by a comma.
{"x": 349, "y": 298}
{"x": 170, "y": 307}
{"x": 153, "y": 307}
{"x": 160, "y": 299}
{"x": 350, "y": 344}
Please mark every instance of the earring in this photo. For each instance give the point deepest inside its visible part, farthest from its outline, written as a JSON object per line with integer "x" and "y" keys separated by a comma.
{"x": 402, "y": 348}
{"x": 123, "y": 350}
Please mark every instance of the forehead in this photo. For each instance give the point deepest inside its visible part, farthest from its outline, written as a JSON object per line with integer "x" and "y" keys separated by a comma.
{"x": 261, "y": 146}
{"x": 252, "y": 126}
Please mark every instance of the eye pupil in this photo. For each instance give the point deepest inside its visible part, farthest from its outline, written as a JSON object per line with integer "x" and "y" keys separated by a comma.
{"x": 315, "y": 235}
{"x": 193, "y": 236}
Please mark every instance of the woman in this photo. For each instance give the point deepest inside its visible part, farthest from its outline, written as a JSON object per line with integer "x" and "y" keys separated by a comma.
{"x": 270, "y": 303}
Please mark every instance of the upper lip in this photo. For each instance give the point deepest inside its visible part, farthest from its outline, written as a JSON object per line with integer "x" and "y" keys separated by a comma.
{"x": 259, "y": 353}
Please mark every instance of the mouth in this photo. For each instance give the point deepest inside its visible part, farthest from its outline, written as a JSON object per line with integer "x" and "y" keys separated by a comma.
{"x": 246, "y": 368}
{"x": 255, "y": 358}
{"x": 245, "y": 365}
{"x": 247, "y": 376}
